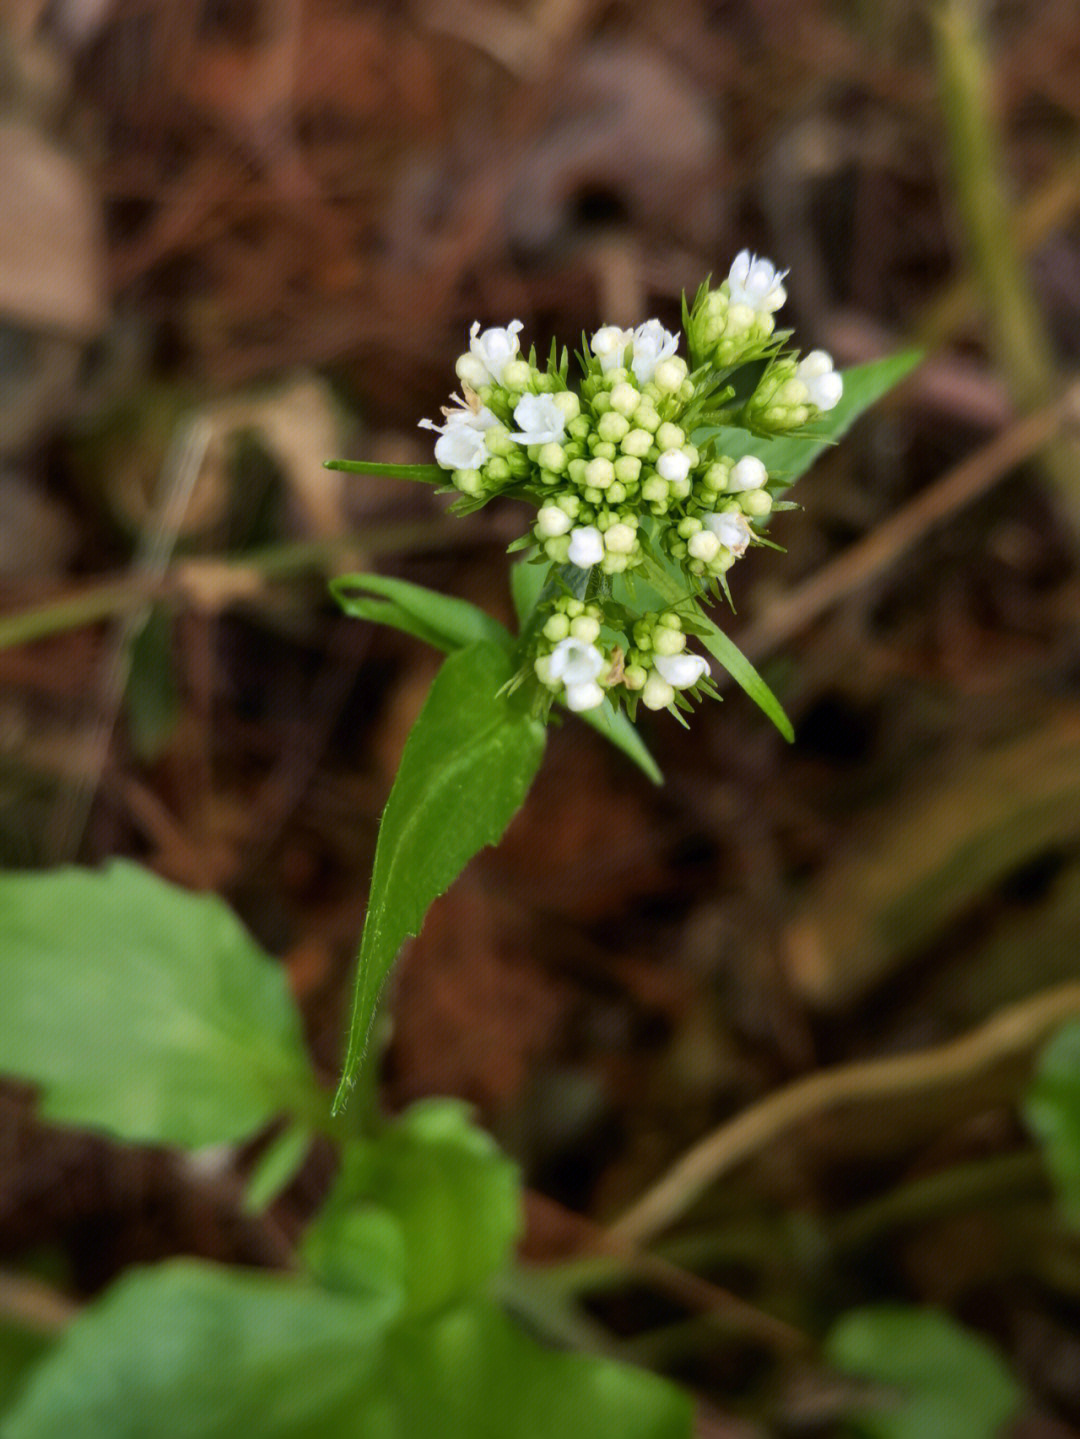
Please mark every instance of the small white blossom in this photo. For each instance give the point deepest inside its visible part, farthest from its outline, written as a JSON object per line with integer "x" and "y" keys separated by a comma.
{"x": 541, "y": 420}
{"x": 748, "y": 474}
{"x": 586, "y": 547}
{"x": 609, "y": 346}
{"x": 576, "y": 662}
{"x": 823, "y": 384}
{"x": 673, "y": 465}
{"x": 731, "y": 530}
{"x": 756, "y": 283}
{"x": 495, "y": 348}
{"x": 682, "y": 671}
{"x": 461, "y": 444}
{"x": 584, "y": 696}
{"x": 652, "y": 343}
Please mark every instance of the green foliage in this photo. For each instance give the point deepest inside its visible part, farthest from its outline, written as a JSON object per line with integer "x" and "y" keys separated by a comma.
{"x": 1052, "y": 1110}
{"x": 440, "y": 620}
{"x": 467, "y": 766}
{"x": 939, "y": 1380}
{"x": 20, "y": 1351}
{"x": 191, "y": 1351}
{"x": 145, "y": 1011}
{"x": 451, "y": 1196}
{"x": 792, "y": 455}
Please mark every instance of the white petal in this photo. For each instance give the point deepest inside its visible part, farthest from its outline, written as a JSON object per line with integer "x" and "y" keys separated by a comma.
{"x": 731, "y": 530}
{"x": 748, "y": 474}
{"x": 652, "y": 343}
{"x": 575, "y": 662}
{"x": 495, "y": 348}
{"x": 460, "y": 447}
{"x": 541, "y": 421}
{"x": 609, "y": 346}
{"x": 584, "y": 696}
{"x": 681, "y": 671}
{"x": 673, "y": 465}
{"x": 586, "y": 547}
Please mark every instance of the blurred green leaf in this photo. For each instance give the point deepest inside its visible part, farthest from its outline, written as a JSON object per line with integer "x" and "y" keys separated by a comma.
{"x": 792, "y": 456}
{"x": 942, "y": 1381}
{"x": 428, "y": 474}
{"x": 276, "y": 1167}
{"x": 20, "y": 1352}
{"x": 454, "y": 1197}
{"x": 440, "y": 620}
{"x": 144, "y": 1010}
{"x": 188, "y": 1351}
{"x": 467, "y": 767}
{"x": 1052, "y": 1111}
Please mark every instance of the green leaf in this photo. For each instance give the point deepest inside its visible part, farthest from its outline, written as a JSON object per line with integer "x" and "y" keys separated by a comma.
{"x": 451, "y": 1194}
{"x": 427, "y": 474}
{"x": 20, "y": 1351}
{"x": 277, "y": 1167}
{"x": 527, "y": 583}
{"x": 616, "y": 728}
{"x": 942, "y": 1380}
{"x": 190, "y": 1351}
{"x": 1052, "y": 1111}
{"x": 467, "y": 767}
{"x": 792, "y": 456}
{"x": 674, "y": 591}
{"x": 440, "y": 620}
{"x": 144, "y": 1010}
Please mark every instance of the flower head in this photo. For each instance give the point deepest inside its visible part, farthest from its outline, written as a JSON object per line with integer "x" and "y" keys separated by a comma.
{"x": 652, "y": 343}
{"x": 823, "y": 384}
{"x": 495, "y": 348}
{"x": 541, "y": 420}
{"x": 757, "y": 283}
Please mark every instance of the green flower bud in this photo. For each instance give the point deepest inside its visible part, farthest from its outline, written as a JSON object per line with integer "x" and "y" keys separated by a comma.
{"x": 569, "y": 403}
{"x": 612, "y": 427}
{"x": 599, "y": 473}
{"x": 669, "y": 436}
{"x": 553, "y": 457}
{"x": 627, "y": 469}
{"x": 624, "y": 399}
{"x": 656, "y": 693}
{"x": 668, "y": 642}
{"x": 469, "y": 482}
{"x": 517, "y": 374}
{"x": 635, "y": 676}
{"x": 637, "y": 443}
{"x": 556, "y": 628}
{"x": 757, "y": 503}
{"x": 690, "y": 526}
{"x": 655, "y": 490}
{"x": 585, "y": 628}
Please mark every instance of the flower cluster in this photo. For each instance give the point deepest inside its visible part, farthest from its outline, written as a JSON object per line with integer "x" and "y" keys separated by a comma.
{"x": 626, "y": 472}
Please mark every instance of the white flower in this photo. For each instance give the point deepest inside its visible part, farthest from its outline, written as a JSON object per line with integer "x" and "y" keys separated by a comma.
{"x": 673, "y": 465}
{"x": 586, "y": 547}
{"x": 731, "y": 530}
{"x": 461, "y": 447}
{"x": 584, "y": 696}
{"x": 495, "y": 348}
{"x": 756, "y": 283}
{"x": 823, "y": 384}
{"x": 609, "y": 346}
{"x": 652, "y": 343}
{"x": 541, "y": 420}
{"x": 575, "y": 662}
{"x": 748, "y": 474}
{"x": 681, "y": 671}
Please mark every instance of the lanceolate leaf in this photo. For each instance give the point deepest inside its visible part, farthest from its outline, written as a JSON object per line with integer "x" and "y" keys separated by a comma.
{"x": 440, "y": 620}
{"x": 467, "y": 766}
{"x": 864, "y": 385}
{"x": 427, "y": 474}
{"x": 145, "y": 1010}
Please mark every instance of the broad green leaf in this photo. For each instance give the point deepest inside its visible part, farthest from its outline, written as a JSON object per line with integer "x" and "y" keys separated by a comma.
{"x": 192, "y": 1351}
{"x": 940, "y": 1379}
{"x": 20, "y": 1351}
{"x": 467, "y": 767}
{"x": 526, "y": 584}
{"x": 1052, "y": 1111}
{"x": 440, "y": 620}
{"x": 792, "y": 456}
{"x": 189, "y": 1351}
{"x": 452, "y": 1195}
{"x": 727, "y": 652}
{"x": 428, "y": 474}
{"x": 144, "y": 1010}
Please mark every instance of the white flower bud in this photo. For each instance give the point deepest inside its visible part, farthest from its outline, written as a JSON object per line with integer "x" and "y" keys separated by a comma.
{"x": 668, "y": 642}
{"x": 757, "y": 503}
{"x": 637, "y": 443}
{"x": 703, "y": 546}
{"x": 657, "y": 694}
{"x": 471, "y": 371}
{"x": 609, "y": 346}
{"x": 624, "y": 398}
{"x": 670, "y": 437}
{"x": 568, "y": 402}
{"x": 620, "y": 539}
{"x": 731, "y": 530}
{"x": 551, "y": 521}
{"x": 669, "y": 375}
{"x": 673, "y": 465}
{"x": 822, "y": 382}
{"x": 584, "y": 696}
{"x": 517, "y": 374}
{"x": 682, "y": 671}
{"x": 495, "y": 348}
{"x": 748, "y": 474}
{"x": 586, "y": 547}
{"x": 627, "y": 469}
